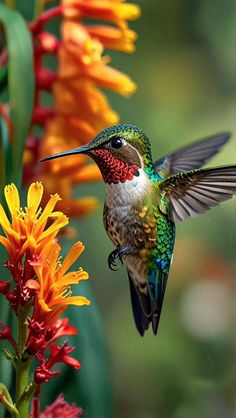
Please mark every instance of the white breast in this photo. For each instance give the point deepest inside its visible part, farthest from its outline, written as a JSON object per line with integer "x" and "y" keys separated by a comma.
{"x": 122, "y": 194}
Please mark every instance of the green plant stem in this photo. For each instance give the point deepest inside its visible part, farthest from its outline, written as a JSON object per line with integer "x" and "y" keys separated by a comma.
{"x": 7, "y": 402}
{"x": 22, "y": 366}
{"x": 10, "y": 408}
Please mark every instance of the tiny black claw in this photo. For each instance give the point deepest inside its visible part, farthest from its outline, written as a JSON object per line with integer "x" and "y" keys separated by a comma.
{"x": 112, "y": 260}
{"x": 118, "y": 253}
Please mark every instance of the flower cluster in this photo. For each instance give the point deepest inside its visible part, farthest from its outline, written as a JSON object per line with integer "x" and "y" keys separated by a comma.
{"x": 60, "y": 408}
{"x": 41, "y": 283}
{"x": 80, "y": 108}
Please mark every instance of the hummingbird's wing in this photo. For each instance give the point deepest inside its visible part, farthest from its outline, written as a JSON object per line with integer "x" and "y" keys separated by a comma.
{"x": 196, "y": 191}
{"x": 191, "y": 156}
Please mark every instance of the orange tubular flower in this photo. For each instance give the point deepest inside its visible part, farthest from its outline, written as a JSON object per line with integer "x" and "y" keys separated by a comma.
{"x": 54, "y": 294}
{"x": 27, "y": 232}
{"x": 41, "y": 282}
{"x": 30, "y": 242}
{"x": 81, "y": 109}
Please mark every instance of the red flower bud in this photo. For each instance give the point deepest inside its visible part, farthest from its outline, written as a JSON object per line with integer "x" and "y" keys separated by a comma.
{"x": 42, "y": 374}
{"x": 5, "y": 332}
{"x": 4, "y": 287}
{"x": 42, "y": 114}
{"x": 32, "y": 286}
{"x": 46, "y": 43}
{"x": 45, "y": 78}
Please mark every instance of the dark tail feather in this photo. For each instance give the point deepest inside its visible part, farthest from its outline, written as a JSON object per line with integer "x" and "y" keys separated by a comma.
{"x": 147, "y": 308}
{"x": 138, "y": 300}
{"x": 156, "y": 299}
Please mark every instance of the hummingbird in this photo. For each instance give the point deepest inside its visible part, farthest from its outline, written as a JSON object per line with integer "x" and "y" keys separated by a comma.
{"x": 145, "y": 199}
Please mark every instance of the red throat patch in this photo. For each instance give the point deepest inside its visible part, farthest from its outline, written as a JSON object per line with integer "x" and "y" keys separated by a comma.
{"x": 114, "y": 170}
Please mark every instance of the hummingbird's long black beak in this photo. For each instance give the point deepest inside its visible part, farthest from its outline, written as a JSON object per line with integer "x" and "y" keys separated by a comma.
{"x": 81, "y": 150}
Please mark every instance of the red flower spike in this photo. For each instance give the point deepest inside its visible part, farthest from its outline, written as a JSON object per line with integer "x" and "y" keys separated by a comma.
{"x": 42, "y": 114}
{"x": 59, "y": 408}
{"x": 45, "y": 78}
{"x": 61, "y": 355}
{"x": 45, "y": 17}
{"x": 32, "y": 286}
{"x": 42, "y": 374}
{"x": 4, "y": 287}
{"x": 5, "y": 332}
{"x": 13, "y": 298}
{"x": 63, "y": 328}
{"x": 46, "y": 43}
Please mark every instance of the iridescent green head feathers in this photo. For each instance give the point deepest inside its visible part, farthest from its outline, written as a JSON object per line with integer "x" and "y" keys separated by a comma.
{"x": 126, "y": 145}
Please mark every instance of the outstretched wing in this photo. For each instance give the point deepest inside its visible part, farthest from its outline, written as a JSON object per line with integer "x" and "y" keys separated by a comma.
{"x": 196, "y": 191}
{"x": 191, "y": 156}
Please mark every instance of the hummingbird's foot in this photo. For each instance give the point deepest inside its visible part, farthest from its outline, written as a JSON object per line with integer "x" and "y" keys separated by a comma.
{"x": 118, "y": 253}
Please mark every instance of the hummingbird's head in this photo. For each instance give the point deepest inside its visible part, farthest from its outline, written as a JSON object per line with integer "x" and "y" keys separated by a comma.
{"x": 120, "y": 152}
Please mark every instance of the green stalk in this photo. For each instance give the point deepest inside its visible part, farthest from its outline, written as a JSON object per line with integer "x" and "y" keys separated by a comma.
{"x": 7, "y": 402}
{"x": 22, "y": 366}
{"x": 10, "y": 408}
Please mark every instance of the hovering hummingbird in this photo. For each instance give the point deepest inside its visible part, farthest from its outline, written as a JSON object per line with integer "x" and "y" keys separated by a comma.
{"x": 145, "y": 199}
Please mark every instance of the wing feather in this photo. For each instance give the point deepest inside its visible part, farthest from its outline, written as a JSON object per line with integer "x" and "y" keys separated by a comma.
{"x": 196, "y": 191}
{"x": 192, "y": 156}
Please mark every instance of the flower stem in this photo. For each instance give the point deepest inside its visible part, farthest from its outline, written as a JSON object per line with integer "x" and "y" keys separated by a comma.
{"x": 6, "y": 401}
{"x": 22, "y": 365}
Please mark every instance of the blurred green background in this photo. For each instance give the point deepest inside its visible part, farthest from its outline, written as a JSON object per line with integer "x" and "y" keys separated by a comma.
{"x": 184, "y": 67}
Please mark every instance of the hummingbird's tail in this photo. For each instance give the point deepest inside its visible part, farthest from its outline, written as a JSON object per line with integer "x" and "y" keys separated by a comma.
{"x": 141, "y": 308}
{"x": 147, "y": 305}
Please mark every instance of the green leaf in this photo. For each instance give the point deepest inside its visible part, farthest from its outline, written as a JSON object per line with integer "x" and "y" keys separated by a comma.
{"x": 5, "y": 158}
{"x": 20, "y": 83}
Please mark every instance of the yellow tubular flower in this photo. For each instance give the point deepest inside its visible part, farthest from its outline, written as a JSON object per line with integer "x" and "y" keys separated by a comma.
{"x": 34, "y": 255}
{"x": 28, "y": 229}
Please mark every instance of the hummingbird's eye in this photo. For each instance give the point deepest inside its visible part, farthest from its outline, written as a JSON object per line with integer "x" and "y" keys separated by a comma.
{"x": 117, "y": 142}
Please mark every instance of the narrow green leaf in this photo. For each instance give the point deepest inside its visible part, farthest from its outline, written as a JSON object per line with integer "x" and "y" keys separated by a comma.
{"x": 5, "y": 158}
{"x": 20, "y": 83}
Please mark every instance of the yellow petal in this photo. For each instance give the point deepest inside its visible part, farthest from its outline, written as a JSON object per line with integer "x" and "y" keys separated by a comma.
{"x": 54, "y": 228}
{"x": 4, "y": 222}
{"x": 34, "y": 196}
{"x": 50, "y": 206}
{"x": 79, "y": 274}
{"x": 73, "y": 300}
{"x": 70, "y": 258}
{"x": 73, "y": 277}
{"x": 12, "y": 198}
